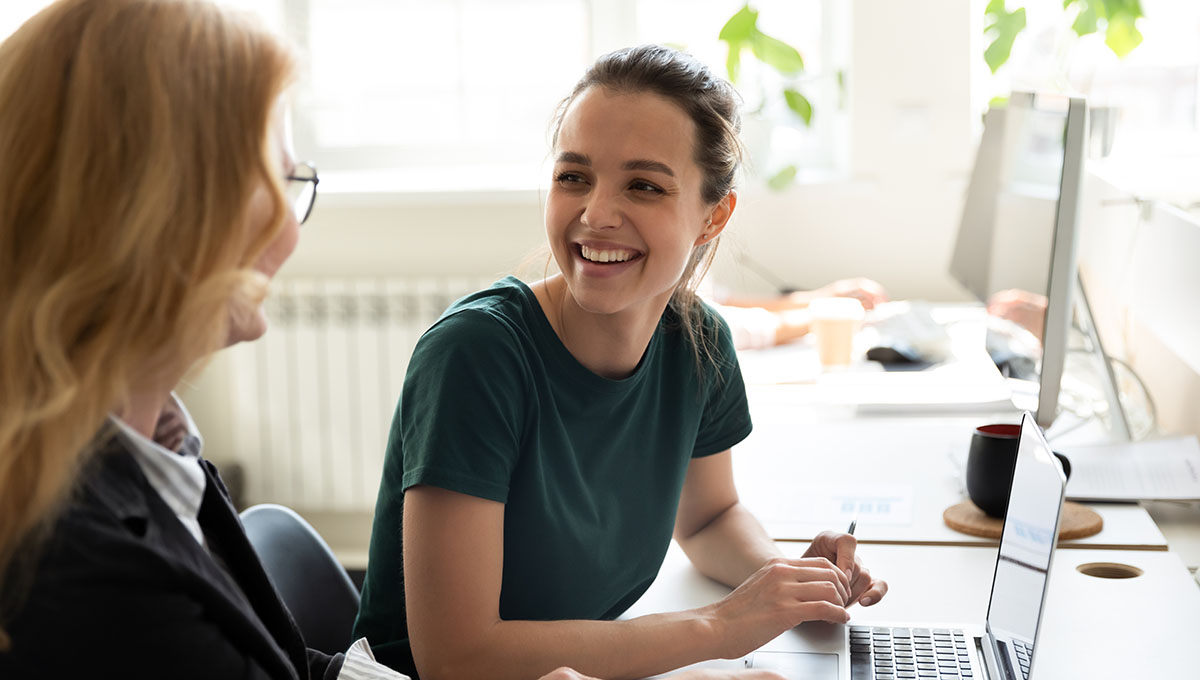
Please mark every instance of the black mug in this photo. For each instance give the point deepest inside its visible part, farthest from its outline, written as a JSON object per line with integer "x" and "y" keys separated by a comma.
{"x": 990, "y": 465}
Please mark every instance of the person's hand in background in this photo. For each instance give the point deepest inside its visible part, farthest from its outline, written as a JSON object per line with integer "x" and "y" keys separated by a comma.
{"x": 1027, "y": 310}
{"x": 758, "y": 322}
{"x": 866, "y": 291}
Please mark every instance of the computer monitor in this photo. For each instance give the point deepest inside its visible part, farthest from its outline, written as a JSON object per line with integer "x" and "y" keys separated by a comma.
{"x": 1020, "y": 218}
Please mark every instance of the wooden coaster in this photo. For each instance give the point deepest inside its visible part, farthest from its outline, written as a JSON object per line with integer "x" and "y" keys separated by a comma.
{"x": 1078, "y": 521}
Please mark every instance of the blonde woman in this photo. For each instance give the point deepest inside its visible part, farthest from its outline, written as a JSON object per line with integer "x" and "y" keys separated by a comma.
{"x": 147, "y": 195}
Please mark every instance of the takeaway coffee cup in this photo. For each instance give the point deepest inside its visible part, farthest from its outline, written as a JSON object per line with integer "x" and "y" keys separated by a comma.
{"x": 835, "y": 321}
{"x": 990, "y": 464}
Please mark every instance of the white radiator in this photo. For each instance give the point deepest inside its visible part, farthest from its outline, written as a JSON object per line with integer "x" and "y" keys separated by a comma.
{"x": 313, "y": 399}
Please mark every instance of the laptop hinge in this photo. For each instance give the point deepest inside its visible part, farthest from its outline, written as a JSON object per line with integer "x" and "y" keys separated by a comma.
{"x": 986, "y": 657}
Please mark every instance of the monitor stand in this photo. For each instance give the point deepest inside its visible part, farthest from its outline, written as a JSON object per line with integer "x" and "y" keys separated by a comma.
{"x": 1118, "y": 420}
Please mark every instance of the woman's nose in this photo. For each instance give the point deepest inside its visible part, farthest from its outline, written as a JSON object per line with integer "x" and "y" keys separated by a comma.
{"x": 603, "y": 210}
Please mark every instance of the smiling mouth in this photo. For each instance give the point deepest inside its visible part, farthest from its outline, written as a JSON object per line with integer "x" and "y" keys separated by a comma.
{"x": 607, "y": 255}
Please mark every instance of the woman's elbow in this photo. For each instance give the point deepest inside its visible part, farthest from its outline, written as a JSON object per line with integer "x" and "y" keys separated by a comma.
{"x": 452, "y": 662}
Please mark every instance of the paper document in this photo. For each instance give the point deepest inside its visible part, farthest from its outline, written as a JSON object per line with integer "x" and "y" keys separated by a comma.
{"x": 1162, "y": 469}
{"x": 832, "y": 507}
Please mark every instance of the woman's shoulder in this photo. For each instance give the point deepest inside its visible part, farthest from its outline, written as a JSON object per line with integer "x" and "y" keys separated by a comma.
{"x": 109, "y": 505}
{"x": 501, "y": 308}
{"x": 94, "y": 537}
{"x": 487, "y": 330}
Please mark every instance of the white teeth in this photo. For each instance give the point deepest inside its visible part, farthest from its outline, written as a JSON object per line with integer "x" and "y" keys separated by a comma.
{"x": 605, "y": 255}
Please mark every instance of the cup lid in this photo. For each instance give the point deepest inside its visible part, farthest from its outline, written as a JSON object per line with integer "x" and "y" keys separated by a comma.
{"x": 836, "y": 308}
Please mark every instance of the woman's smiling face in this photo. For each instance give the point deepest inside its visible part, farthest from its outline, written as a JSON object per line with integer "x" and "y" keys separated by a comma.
{"x": 625, "y": 212}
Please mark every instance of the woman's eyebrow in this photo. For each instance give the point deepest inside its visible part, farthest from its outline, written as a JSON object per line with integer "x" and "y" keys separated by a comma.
{"x": 573, "y": 157}
{"x": 636, "y": 164}
{"x": 653, "y": 166}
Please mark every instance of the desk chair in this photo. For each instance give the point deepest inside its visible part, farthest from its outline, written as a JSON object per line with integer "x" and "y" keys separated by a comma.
{"x": 312, "y": 583}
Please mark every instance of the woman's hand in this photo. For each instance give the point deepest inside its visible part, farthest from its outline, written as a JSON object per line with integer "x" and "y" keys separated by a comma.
{"x": 840, "y": 549}
{"x": 866, "y": 291}
{"x": 565, "y": 673}
{"x": 782, "y": 594}
{"x": 713, "y": 674}
{"x": 1023, "y": 308}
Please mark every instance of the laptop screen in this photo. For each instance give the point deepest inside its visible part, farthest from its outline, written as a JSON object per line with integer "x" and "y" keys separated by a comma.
{"x": 1027, "y": 543}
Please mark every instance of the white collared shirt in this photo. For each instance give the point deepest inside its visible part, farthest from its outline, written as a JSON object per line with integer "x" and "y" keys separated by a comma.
{"x": 175, "y": 474}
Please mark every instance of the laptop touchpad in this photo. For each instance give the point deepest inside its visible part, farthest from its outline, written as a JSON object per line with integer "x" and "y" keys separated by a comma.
{"x": 798, "y": 665}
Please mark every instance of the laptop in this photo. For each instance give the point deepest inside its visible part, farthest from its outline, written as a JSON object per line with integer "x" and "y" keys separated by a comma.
{"x": 1004, "y": 646}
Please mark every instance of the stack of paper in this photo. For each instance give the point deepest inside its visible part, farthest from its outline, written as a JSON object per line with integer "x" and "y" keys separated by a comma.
{"x": 1162, "y": 469}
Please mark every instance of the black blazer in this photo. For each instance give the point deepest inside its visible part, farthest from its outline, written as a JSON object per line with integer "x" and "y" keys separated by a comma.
{"x": 121, "y": 589}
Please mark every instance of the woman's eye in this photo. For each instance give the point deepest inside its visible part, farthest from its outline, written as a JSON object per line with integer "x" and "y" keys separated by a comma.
{"x": 569, "y": 178}
{"x": 642, "y": 186}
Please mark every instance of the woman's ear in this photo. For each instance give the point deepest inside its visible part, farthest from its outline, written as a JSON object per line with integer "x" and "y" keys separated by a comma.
{"x": 718, "y": 217}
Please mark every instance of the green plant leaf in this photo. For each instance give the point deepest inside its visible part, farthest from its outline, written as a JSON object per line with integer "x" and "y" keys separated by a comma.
{"x": 733, "y": 62}
{"x": 1114, "y": 8}
{"x": 799, "y": 104}
{"x": 1122, "y": 35}
{"x": 740, "y": 27}
{"x": 737, "y": 33}
{"x": 1003, "y": 27}
{"x": 782, "y": 179}
{"x": 1086, "y": 22}
{"x": 1098, "y": 7}
{"x": 776, "y": 53}
{"x": 1118, "y": 19}
{"x": 998, "y": 102}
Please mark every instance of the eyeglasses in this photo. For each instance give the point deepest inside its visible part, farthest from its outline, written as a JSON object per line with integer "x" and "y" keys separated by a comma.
{"x": 302, "y": 190}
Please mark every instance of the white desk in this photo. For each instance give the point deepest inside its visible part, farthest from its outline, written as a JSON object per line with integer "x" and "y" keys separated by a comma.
{"x": 1180, "y": 523}
{"x": 1144, "y": 627}
{"x": 805, "y": 461}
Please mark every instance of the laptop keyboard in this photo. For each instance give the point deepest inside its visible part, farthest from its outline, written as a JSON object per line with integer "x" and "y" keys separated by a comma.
{"x": 883, "y": 653}
{"x": 1024, "y": 654}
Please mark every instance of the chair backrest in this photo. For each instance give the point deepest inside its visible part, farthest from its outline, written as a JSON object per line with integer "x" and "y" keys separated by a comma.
{"x": 313, "y": 584}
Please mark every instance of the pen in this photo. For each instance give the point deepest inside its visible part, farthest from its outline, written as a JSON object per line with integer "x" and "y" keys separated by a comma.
{"x": 853, "y": 523}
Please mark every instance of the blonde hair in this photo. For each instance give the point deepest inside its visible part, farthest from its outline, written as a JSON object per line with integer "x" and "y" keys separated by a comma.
{"x": 132, "y": 135}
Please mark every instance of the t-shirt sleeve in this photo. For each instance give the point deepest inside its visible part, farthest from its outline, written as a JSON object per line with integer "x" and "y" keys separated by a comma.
{"x": 460, "y": 418}
{"x": 726, "y": 419}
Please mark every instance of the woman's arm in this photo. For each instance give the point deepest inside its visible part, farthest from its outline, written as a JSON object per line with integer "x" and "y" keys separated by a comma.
{"x": 453, "y": 562}
{"x": 720, "y": 537}
{"x": 727, "y": 543}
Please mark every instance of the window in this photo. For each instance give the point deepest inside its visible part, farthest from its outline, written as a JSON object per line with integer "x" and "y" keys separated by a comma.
{"x": 457, "y": 92}
{"x": 458, "y": 95}
{"x": 1154, "y": 92}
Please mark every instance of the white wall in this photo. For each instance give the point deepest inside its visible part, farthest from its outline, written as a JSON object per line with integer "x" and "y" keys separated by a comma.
{"x": 1139, "y": 265}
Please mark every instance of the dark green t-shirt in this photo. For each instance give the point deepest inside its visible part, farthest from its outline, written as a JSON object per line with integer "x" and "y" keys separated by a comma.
{"x": 589, "y": 469}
